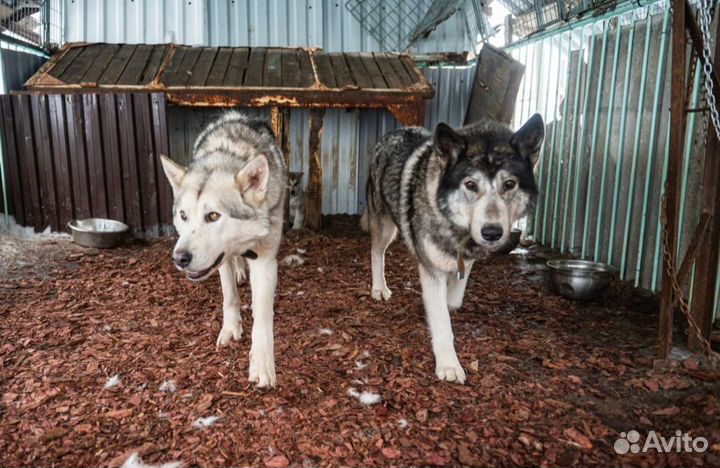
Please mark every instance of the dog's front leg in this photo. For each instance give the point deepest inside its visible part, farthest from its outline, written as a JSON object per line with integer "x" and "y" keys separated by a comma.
{"x": 263, "y": 279}
{"x": 435, "y": 297}
{"x": 456, "y": 287}
{"x": 232, "y": 321}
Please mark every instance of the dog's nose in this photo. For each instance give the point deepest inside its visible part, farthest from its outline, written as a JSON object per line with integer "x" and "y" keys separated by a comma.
{"x": 491, "y": 232}
{"x": 182, "y": 259}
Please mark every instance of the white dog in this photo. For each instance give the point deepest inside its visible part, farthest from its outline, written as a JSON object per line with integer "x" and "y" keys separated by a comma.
{"x": 228, "y": 211}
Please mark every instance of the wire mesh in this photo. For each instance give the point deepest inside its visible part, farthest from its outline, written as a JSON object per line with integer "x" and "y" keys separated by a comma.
{"x": 38, "y": 22}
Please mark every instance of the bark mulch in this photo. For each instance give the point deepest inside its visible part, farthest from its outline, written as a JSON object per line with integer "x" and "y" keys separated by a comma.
{"x": 550, "y": 382}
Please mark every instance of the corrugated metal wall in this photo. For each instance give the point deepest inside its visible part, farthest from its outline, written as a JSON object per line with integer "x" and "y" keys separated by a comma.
{"x": 348, "y": 136}
{"x": 603, "y": 92}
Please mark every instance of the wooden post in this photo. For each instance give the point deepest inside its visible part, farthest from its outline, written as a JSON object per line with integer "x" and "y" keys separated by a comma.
{"x": 677, "y": 137}
{"x": 706, "y": 267}
{"x": 314, "y": 188}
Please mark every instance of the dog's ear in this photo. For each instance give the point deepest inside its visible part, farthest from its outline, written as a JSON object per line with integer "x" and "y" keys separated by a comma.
{"x": 528, "y": 140}
{"x": 448, "y": 141}
{"x": 173, "y": 171}
{"x": 252, "y": 180}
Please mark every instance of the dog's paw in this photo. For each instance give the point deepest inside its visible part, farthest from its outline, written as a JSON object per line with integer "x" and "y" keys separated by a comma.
{"x": 262, "y": 369}
{"x": 379, "y": 294}
{"x": 450, "y": 373}
{"x": 228, "y": 332}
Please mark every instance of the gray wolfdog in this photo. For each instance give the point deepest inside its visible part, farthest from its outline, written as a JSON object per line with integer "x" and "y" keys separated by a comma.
{"x": 454, "y": 196}
{"x": 228, "y": 209}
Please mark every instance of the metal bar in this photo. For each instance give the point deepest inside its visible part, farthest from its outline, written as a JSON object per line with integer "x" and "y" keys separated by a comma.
{"x": 606, "y": 151}
{"x": 558, "y": 180}
{"x": 659, "y": 82}
{"x": 580, "y": 153}
{"x": 636, "y": 150}
{"x": 573, "y": 136}
{"x": 593, "y": 142}
{"x": 621, "y": 138}
{"x": 677, "y": 134}
{"x": 536, "y": 218}
{"x": 552, "y": 141}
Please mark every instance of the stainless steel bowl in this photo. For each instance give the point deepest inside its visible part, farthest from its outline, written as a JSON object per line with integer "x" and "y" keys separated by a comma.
{"x": 99, "y": 233}
{"x": 580, "y": 280}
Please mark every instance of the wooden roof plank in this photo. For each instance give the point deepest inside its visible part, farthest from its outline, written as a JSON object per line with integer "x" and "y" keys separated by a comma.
{"x": 153, "y": 65}
{"x": 376, "y": 76}
{"x": 400, "y": 70}
{"x": 169, "y": 77}
{"x": 359, "y": 73}
{"x": 134, "y": 69}
{"x": 412, "y": 70}
{"x": 256, "y": 66}
{"x": 307, "y": 74}
{"x": 201, "y": 69}
{"x": 219, "y": 67}
{"x": 325, "y": 70}
{"x": 97, "y": 68}
{"x": 272, "y": 72}
{"x": 81, "y": 64}
{"x": 393, "y": 81}
{"x": 117, "y": 65}
{"x": 64, "y": 61}
{"x": 343, "y": 78}
{"x": 184, "y": 71}
{"x": 290, "y": 63}
{"x": 235, "y": 74}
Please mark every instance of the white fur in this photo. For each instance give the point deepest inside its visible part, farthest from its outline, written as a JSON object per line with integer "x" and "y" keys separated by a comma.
{"x": 112, "y": 382}
{"x": 168, "y": 386}
{"x": 201, "y": 423}
{"x": 263, "y": 280}
{"x": 435, "y": 298}
{"x": 325, "y": 331}
{"x": 134, "y": 461}
{"x": 366, "y": 398}
{"x": 293, "y": 260}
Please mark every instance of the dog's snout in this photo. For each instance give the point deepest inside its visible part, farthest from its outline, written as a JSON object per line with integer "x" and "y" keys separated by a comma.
{"x": 491, "y": 232}
{"x": 182, "y": 259}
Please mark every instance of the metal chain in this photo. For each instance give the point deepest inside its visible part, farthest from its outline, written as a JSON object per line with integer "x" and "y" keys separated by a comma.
{"x": 705, "y": 10}
{"x": 684, "y": 307}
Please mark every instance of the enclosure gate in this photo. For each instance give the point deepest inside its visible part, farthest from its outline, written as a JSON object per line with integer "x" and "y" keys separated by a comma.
{"x": 80, "y": 155}
{"x": 601, "y": 87}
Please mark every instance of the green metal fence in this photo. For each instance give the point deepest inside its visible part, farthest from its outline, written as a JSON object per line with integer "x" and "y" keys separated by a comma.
{"x": 601, "y": 86}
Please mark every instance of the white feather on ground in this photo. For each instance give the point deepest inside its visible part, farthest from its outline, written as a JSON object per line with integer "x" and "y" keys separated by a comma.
{"x": 301, "y": 251}
{"x": 201, "y": 423}
{"x": 134, "y": 461}
{"x": 366, "y": 398}
{"x": 112, "y": 382}
{"x": 402, "y": 423}
{"x": 325, "y": 331}
{"x": 168, "y": 386}
{"x": 360, "y": 365}
{"x": 293, "y": 260}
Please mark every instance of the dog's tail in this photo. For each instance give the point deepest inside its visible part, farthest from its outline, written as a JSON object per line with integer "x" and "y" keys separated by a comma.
{"x": 364, "y": 221}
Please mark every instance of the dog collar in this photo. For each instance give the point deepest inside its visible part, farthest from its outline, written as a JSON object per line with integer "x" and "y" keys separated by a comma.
{"x": 250, "y": 254}
{"x": 461, "y": 257}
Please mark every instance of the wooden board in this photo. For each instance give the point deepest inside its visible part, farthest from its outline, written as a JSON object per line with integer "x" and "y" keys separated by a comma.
{"x": 494, "y": 91}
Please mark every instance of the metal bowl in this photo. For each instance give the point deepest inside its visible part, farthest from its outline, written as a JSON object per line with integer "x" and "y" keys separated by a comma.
{"x": 99, "y": 233}
{"x": 580, "y": 280}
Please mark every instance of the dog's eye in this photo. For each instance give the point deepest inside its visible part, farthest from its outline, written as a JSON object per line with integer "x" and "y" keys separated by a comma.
{"x": 470, "y": 185}
{"x": 509, "y": 184}
{"x": 183, "y": 216}
{"x": 212, "y": 216}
